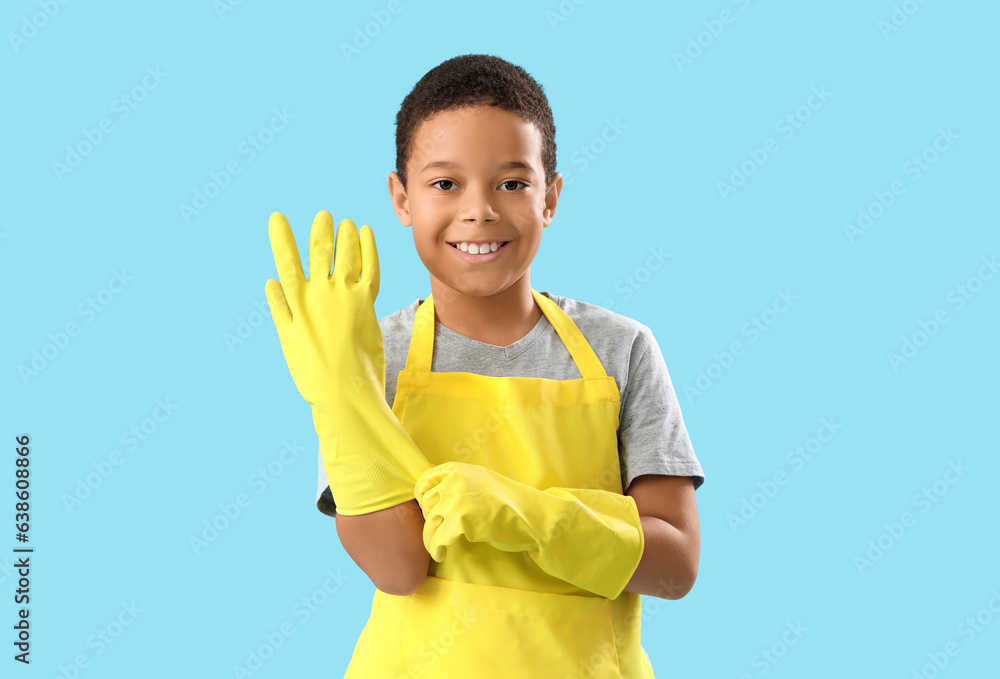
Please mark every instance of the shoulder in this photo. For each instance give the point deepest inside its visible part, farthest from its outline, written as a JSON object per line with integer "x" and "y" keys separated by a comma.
{"x": 400, "y": 320}
{"x": 625, "y": 346}
{"x": 397, "y": 329}
{"x": 605, "y": 328}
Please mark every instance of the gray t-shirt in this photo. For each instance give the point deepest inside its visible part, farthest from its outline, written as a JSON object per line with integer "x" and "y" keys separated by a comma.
{"x": 652, "y": 438}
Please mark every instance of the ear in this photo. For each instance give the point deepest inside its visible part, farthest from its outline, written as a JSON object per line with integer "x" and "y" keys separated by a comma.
{"x": 552, "y": 198}
{"x": 400, "y": 202}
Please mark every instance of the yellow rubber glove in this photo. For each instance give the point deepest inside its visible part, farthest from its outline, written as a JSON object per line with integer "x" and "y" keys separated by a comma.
{"x": 590, "y": 538}
{"x": 333, "y": 346}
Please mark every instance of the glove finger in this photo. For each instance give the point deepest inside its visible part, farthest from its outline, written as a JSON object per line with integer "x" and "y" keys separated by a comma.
{"x": 425, "y": 482}
{"x": 286, "y": 256}
{"x": 443, "y": 533}
{"x": 428, "y": 499}
{"x": 276, "y": 301}
{"x": 347, "y": 263}
{"x": 321, "y": 246}
{"x": 369, "y": 261}
{"x": 431, "y": 525}
{"x": 440, "y": 552}
{"x": 283, "y": 323}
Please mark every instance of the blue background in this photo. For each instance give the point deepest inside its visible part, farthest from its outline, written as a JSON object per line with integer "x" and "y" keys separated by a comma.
{"x": 198, "y": 284}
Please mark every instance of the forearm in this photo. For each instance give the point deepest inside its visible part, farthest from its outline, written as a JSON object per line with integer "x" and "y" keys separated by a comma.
{"x": 388, "y": 546}
{"x": 669, "y": 563}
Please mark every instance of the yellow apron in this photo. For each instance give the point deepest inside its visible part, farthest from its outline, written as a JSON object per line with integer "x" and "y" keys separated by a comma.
{"x": 484, "y": 612}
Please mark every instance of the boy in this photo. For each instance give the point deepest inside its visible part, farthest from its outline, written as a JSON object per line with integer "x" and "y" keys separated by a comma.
{"x": 519, "y": 417}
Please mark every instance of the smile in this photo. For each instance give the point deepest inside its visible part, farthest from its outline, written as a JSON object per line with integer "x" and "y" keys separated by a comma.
{"x": 477, "y": 247}
{"x": 479, "y": 253}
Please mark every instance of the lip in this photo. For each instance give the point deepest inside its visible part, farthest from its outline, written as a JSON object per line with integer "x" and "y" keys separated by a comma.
{"x": 479, "y": 259}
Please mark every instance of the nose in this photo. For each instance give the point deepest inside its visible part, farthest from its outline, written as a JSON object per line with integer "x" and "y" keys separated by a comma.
{"x": 477, "y": 205}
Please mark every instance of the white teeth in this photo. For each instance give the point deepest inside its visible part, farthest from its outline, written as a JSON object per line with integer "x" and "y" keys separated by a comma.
{"x": 474, "y": 249}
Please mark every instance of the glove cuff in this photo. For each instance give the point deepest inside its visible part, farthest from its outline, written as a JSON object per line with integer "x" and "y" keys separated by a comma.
{"x": 597, "y": 544}
{"x": 370, "y": 460}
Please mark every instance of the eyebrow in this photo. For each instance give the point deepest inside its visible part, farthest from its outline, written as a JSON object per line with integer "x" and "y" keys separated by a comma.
{"x": 448, "y": 165}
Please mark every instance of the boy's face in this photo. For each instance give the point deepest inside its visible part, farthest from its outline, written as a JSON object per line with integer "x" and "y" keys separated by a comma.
{"x": 461, "y": 188}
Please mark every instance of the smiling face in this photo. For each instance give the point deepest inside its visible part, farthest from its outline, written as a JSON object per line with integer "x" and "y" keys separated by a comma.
{"x": 475, "y": 175}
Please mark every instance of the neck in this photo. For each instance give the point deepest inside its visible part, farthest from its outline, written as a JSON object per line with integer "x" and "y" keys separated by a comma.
{"x": 500, "y": 319}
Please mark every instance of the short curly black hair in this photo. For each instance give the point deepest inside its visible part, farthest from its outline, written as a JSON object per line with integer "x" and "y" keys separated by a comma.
{"x": 471, "y": 80}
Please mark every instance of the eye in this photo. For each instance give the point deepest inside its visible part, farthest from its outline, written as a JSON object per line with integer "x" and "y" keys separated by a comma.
{"x": 513, "y": 181}
{"x": 443, "y": 181}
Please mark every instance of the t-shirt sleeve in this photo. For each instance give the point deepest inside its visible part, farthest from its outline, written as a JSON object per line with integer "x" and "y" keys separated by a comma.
{"x": 652, "y": 438}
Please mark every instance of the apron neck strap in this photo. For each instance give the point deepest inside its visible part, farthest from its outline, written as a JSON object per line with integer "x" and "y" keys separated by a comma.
{"x": 422, "y": 341}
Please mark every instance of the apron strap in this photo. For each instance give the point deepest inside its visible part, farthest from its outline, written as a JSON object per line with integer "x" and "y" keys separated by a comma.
{"x": 422, "y": 340}
{"x": 583, "y": 354}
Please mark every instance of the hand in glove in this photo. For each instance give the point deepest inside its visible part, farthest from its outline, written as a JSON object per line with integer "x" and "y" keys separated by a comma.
{"x": 590, "y": 538}
{"x": 333, "y": 346}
